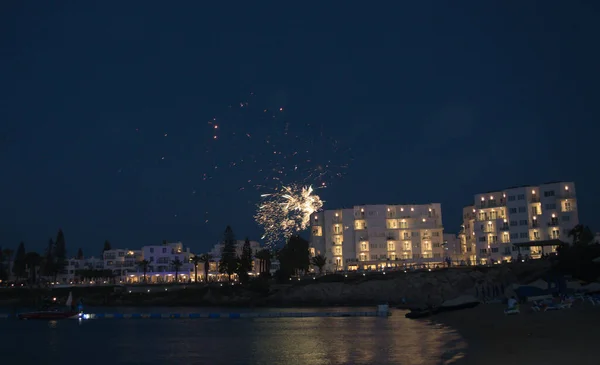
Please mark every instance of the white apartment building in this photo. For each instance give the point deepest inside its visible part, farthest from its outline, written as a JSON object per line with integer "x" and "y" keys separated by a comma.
{"x": 377, "y": 236}
{"x": 160, "y": 268}
{"x": 502, "y": 224}
{"x": 74, "y": 266}
{"x": 121, "y": 261}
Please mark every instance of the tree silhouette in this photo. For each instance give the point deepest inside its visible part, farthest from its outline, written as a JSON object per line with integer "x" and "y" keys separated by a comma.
{"x": 206, "y": 259}
{"x": 60, "y": 253}
{"x": 106, "y": 247}
{"x": 228, "y": 263}
{"x": 176, "y": 265}
{"x": 195, "y": 260}
{"x": 80, "y": 254}
{"x": 19, "y": 265}
{"x": 319, "y": 261}
{"x": 245, "y": 264}
{"x": 144, "y": 266}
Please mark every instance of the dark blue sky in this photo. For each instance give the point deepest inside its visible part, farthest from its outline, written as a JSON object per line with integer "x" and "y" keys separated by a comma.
{"x": 427, "y": 101}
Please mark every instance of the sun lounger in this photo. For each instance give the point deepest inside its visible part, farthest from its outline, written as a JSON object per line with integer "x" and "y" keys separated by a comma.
{"x": 513, "y": 310}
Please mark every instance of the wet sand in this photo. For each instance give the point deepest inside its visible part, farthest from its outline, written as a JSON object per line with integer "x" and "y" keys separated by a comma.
{"x": 569, "y": 336}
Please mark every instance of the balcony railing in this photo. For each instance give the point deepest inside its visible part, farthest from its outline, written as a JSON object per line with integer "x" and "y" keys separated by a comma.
{"x": 534, "y": 199}
{"x": 567, "y": 195}
{"x": 553, "y": 224}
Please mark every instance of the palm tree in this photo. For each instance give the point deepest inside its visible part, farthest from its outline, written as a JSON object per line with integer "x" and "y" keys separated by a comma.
{"x": 319, "y": 261}
{"x": 177, "y": 265}
{"x": 265, "y": 260}
{"x": 206, "y": 258}
{"x": 144, "y": 265}
{"x": 195, "y": 260}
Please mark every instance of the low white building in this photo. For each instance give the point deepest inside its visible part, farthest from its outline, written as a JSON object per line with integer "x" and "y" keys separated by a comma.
{"x": 122, "y": 261}
{"x": 74, "y": 268}
{"x": 161, "y": 261}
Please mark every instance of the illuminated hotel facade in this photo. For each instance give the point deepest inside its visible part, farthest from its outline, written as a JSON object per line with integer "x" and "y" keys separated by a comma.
{"x": 376, "y": 236}
{"x": 500, "y": 225}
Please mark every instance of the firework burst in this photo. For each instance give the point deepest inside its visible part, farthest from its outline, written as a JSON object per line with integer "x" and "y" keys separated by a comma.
{"x": 286, "y": 212}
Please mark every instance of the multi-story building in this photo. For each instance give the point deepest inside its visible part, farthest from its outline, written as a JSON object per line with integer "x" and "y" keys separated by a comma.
{"x": 161, "y": 268}
{"x": 378, "y": 236}
{"x": 503, "y": 224}
{"x": 121, "y": 261}
{"x": 452, "y": 247}
{"x": 468, "y": 248}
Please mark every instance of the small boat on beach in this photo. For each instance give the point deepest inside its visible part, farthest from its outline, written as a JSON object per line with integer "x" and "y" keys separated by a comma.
{"x": 53, "y": 313}
{"x": 462, "y": 302}
{"x": 421, "y": 313}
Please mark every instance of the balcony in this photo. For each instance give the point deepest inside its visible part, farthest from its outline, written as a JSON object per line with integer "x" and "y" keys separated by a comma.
{"x": 390, "y": 238}
{"x": 535, "y": 238}
{"x": 567, "y": 195}
{"x": 553, "y": 224}
{"x": 534, "y": 199}
{"x": 492, "y": 203}
{"x": 505, "y": 227}
{"x": 426, "y": 237}
{"x": 534, "y": 224}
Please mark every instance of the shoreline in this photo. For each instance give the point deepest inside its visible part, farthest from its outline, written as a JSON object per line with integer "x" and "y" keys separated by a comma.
{"x": 553, "y": 337}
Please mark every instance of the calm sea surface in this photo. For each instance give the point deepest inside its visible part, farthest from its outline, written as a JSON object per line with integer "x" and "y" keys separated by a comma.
{"x": 306, "y": 341}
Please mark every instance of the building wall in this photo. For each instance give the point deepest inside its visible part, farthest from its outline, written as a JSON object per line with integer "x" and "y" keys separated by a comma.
{"x": 517, "y": 215}
{"x": 162, "y": 256}
{"x": 370, "y": 236}
{"x": 452, "y": 247}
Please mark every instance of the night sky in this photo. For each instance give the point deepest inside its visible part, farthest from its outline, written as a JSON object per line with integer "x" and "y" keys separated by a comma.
{"x": 108, "y": 111}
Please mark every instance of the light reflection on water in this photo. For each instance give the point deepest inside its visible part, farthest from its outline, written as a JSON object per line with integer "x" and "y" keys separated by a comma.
{"x": 306, "y": 341}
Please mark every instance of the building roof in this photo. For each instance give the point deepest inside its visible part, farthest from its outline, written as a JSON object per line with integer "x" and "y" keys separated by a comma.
{"x": 540, "y": 243}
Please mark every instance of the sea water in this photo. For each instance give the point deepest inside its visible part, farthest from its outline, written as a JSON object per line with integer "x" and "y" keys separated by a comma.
{"x": 306, "y": 341}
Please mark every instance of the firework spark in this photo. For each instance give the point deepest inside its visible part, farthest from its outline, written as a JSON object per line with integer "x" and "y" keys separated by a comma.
{"x": 286, "y": 212}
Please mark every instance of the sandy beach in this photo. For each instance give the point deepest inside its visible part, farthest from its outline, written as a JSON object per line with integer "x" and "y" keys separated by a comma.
{"x": 569, "y": 336}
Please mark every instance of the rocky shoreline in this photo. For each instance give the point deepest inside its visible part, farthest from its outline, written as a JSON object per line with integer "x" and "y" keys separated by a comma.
{"x": 396, "y": 288}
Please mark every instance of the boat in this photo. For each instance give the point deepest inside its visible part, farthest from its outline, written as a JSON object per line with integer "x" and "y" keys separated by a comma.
{"x": 421, "y": 313}
{"x": 462, "y": 302}
{"x": 53, "y": 313}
